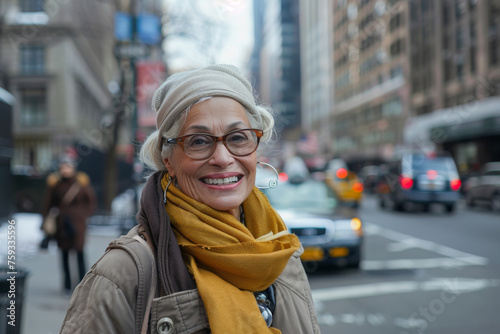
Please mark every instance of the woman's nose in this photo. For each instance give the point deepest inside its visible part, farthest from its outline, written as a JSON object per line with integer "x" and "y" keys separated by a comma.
{"x": 221, "y": 155}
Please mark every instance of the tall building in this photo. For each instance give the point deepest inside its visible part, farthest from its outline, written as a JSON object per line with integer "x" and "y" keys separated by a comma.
{"x": 56, "y": 60}
{"x": 371, "y": 45}
{"x": 259, "y": 8}
{"x": 74, "y": 88}
{"x": 455, "y": 47}
{"x": 279, "y": 57}
{"x": 316, "y": 63}
{"x": 455, "y": 79}
{"x": 417, "y": 74}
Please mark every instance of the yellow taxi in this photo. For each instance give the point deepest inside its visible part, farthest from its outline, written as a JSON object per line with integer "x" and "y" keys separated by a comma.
{"x": 346, "y": 185}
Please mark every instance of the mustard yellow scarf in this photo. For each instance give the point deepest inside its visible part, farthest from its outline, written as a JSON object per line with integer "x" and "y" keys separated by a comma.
{"x": 229, "y": 260}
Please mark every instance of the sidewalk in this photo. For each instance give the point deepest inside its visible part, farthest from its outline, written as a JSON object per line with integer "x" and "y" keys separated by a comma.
{"x": 44, "y": 305}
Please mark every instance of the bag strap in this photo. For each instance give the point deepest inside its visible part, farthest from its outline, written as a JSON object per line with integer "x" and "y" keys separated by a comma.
{"x": 152, "y": 288}
{"x": 71, "y": 193}
{"x": 145, "y": 262}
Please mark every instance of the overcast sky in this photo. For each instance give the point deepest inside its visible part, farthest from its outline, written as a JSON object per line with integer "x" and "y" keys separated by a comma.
{"x": 231, "y": 40}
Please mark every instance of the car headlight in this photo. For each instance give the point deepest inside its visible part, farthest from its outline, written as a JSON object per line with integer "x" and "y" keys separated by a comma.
{"x": 347, "y": 229}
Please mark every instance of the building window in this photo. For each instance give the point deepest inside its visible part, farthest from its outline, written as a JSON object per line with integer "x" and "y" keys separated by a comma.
{"x": 391, "y": 108}
{"x": 448, "y": 70}
{"x": 472, "y": 59}
{"x": 397, "y": 47}
{"x": 460, "y": 9}
{"x": 472, "y": 32}
{"x": 446, "y": 14}
{"x": 30, "y": 6}
{"x": 425, "y": 109}
{"x": 460, "y": 70}
{"x": 396, "y": 71}
{"x": 494, "y": 51}
{"x": 416, "y": 85}
{"x": 427, "y": 82}
{"x": 32, "y": 59}
{"x": 459, "y": 39}
{"x": 33, "y": 107}
{"x": 395, "y": 22}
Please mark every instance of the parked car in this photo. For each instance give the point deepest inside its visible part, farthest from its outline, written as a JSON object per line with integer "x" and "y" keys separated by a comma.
{"x": 346, "y": 185}
{"x": 419, "y": 178}
{"x": 330, "y": 234}
{"x": 485, "y": 187}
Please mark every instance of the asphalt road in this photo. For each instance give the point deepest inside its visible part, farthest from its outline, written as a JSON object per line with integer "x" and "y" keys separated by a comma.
{"x": 422, "y": 272}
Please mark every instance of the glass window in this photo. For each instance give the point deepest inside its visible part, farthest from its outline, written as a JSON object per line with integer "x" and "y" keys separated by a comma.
{"x": 396, "y": 48}
{"x": 472, "y": 59}
{"x": 459, "y": 39}
{"x": 494, "y": 51}
{"x": 310, "y": 196}
{"x": 33, "y": 107}
{"x": 32, "y": 59}
{"x": 448, "y": 70}
{"x": 446, "y": 14}
{"x": 30, "y": 6}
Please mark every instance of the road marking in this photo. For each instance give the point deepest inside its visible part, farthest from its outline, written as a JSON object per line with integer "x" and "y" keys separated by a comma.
{"x": 458, "y": 285}
{"x": 444, "y": 262}
{"x": 453, "y": 257}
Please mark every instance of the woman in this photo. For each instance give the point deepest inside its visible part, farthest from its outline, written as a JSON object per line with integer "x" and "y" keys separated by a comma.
{"x": 70, "y": 193}
{"x": 225, "y": 261}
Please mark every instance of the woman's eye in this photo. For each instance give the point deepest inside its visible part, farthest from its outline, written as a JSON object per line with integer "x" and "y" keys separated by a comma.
{"x": 199, "y": 141}
{"x": 236, "y": 137}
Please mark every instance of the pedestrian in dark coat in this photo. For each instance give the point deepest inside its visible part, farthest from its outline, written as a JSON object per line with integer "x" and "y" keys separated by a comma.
{"x": 71, "y": 194}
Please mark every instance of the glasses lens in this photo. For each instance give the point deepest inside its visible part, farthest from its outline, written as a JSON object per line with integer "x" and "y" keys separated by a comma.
{"x": 239, "y": 143}
{"x": 198, "y": 146}
{"x": 242, "y": 142}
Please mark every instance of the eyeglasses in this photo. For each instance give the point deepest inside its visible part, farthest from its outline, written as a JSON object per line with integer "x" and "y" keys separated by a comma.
{"x": 201, "y": 146}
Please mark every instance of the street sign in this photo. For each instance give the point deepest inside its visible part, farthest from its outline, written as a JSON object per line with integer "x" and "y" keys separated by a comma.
{"x": 149, "y": 29}
{"x": 123, "y": 26}
{"x": 131, "y": 51}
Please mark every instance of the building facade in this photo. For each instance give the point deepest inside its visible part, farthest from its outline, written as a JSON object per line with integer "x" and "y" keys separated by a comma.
{"x": 279, "y": 57}
{"x": 371, "y": 44}
{"x": 75, "y": 93}
{"x": 54, "y": 64}
{"x": 455, "y": 79}
{"x": 398, "y": 67}
{"x": 317, "y": 93}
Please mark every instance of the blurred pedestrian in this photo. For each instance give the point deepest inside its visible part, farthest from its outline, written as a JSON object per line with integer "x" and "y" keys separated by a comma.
{"x": 69, "y": 193}
{"x": 225, "y": 260}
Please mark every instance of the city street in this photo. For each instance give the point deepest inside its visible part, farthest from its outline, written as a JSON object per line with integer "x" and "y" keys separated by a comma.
{"x": 423, "y": 272}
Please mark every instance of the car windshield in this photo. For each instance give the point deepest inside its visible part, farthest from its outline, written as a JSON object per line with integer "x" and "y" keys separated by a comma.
{"x": 422, "y": 163}
{"x": 310, "y": 196}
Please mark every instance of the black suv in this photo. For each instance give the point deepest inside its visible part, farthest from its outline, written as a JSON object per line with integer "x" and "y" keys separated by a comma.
{"x": 420, "y": 178}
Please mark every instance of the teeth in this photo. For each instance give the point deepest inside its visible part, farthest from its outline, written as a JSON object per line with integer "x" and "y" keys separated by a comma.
{"x": 226, "y": 180}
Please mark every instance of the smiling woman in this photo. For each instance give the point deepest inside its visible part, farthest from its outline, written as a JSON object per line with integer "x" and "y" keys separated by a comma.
{"x": 226, "y": 261}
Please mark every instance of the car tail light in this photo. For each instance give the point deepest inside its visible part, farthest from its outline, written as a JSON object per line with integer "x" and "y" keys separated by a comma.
{"x": 357, "y": 187}
{"x": 341, "y": 173}
{"x": 406, "y": 182}
{"x": 282, "y": 177}
{"x": 431, "y": 174}
{"x": 455, "y": 184}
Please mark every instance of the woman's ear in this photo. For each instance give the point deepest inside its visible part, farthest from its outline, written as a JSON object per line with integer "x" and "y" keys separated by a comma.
{"x": 169, "y": 167}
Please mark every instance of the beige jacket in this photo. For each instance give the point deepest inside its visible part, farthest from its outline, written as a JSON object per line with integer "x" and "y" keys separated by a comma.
{"x": 105, "y": 301}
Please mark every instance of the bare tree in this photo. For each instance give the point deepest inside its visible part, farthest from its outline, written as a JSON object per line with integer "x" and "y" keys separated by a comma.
{"x": 194, "y": 31}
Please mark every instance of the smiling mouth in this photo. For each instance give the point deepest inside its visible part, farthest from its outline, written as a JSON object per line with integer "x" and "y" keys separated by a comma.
{"x": 222, "y": 181}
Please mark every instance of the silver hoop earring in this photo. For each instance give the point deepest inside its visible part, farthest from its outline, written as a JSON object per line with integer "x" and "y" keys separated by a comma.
{"x": 166, "y": 188}
{"x": 273, "y": 183}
